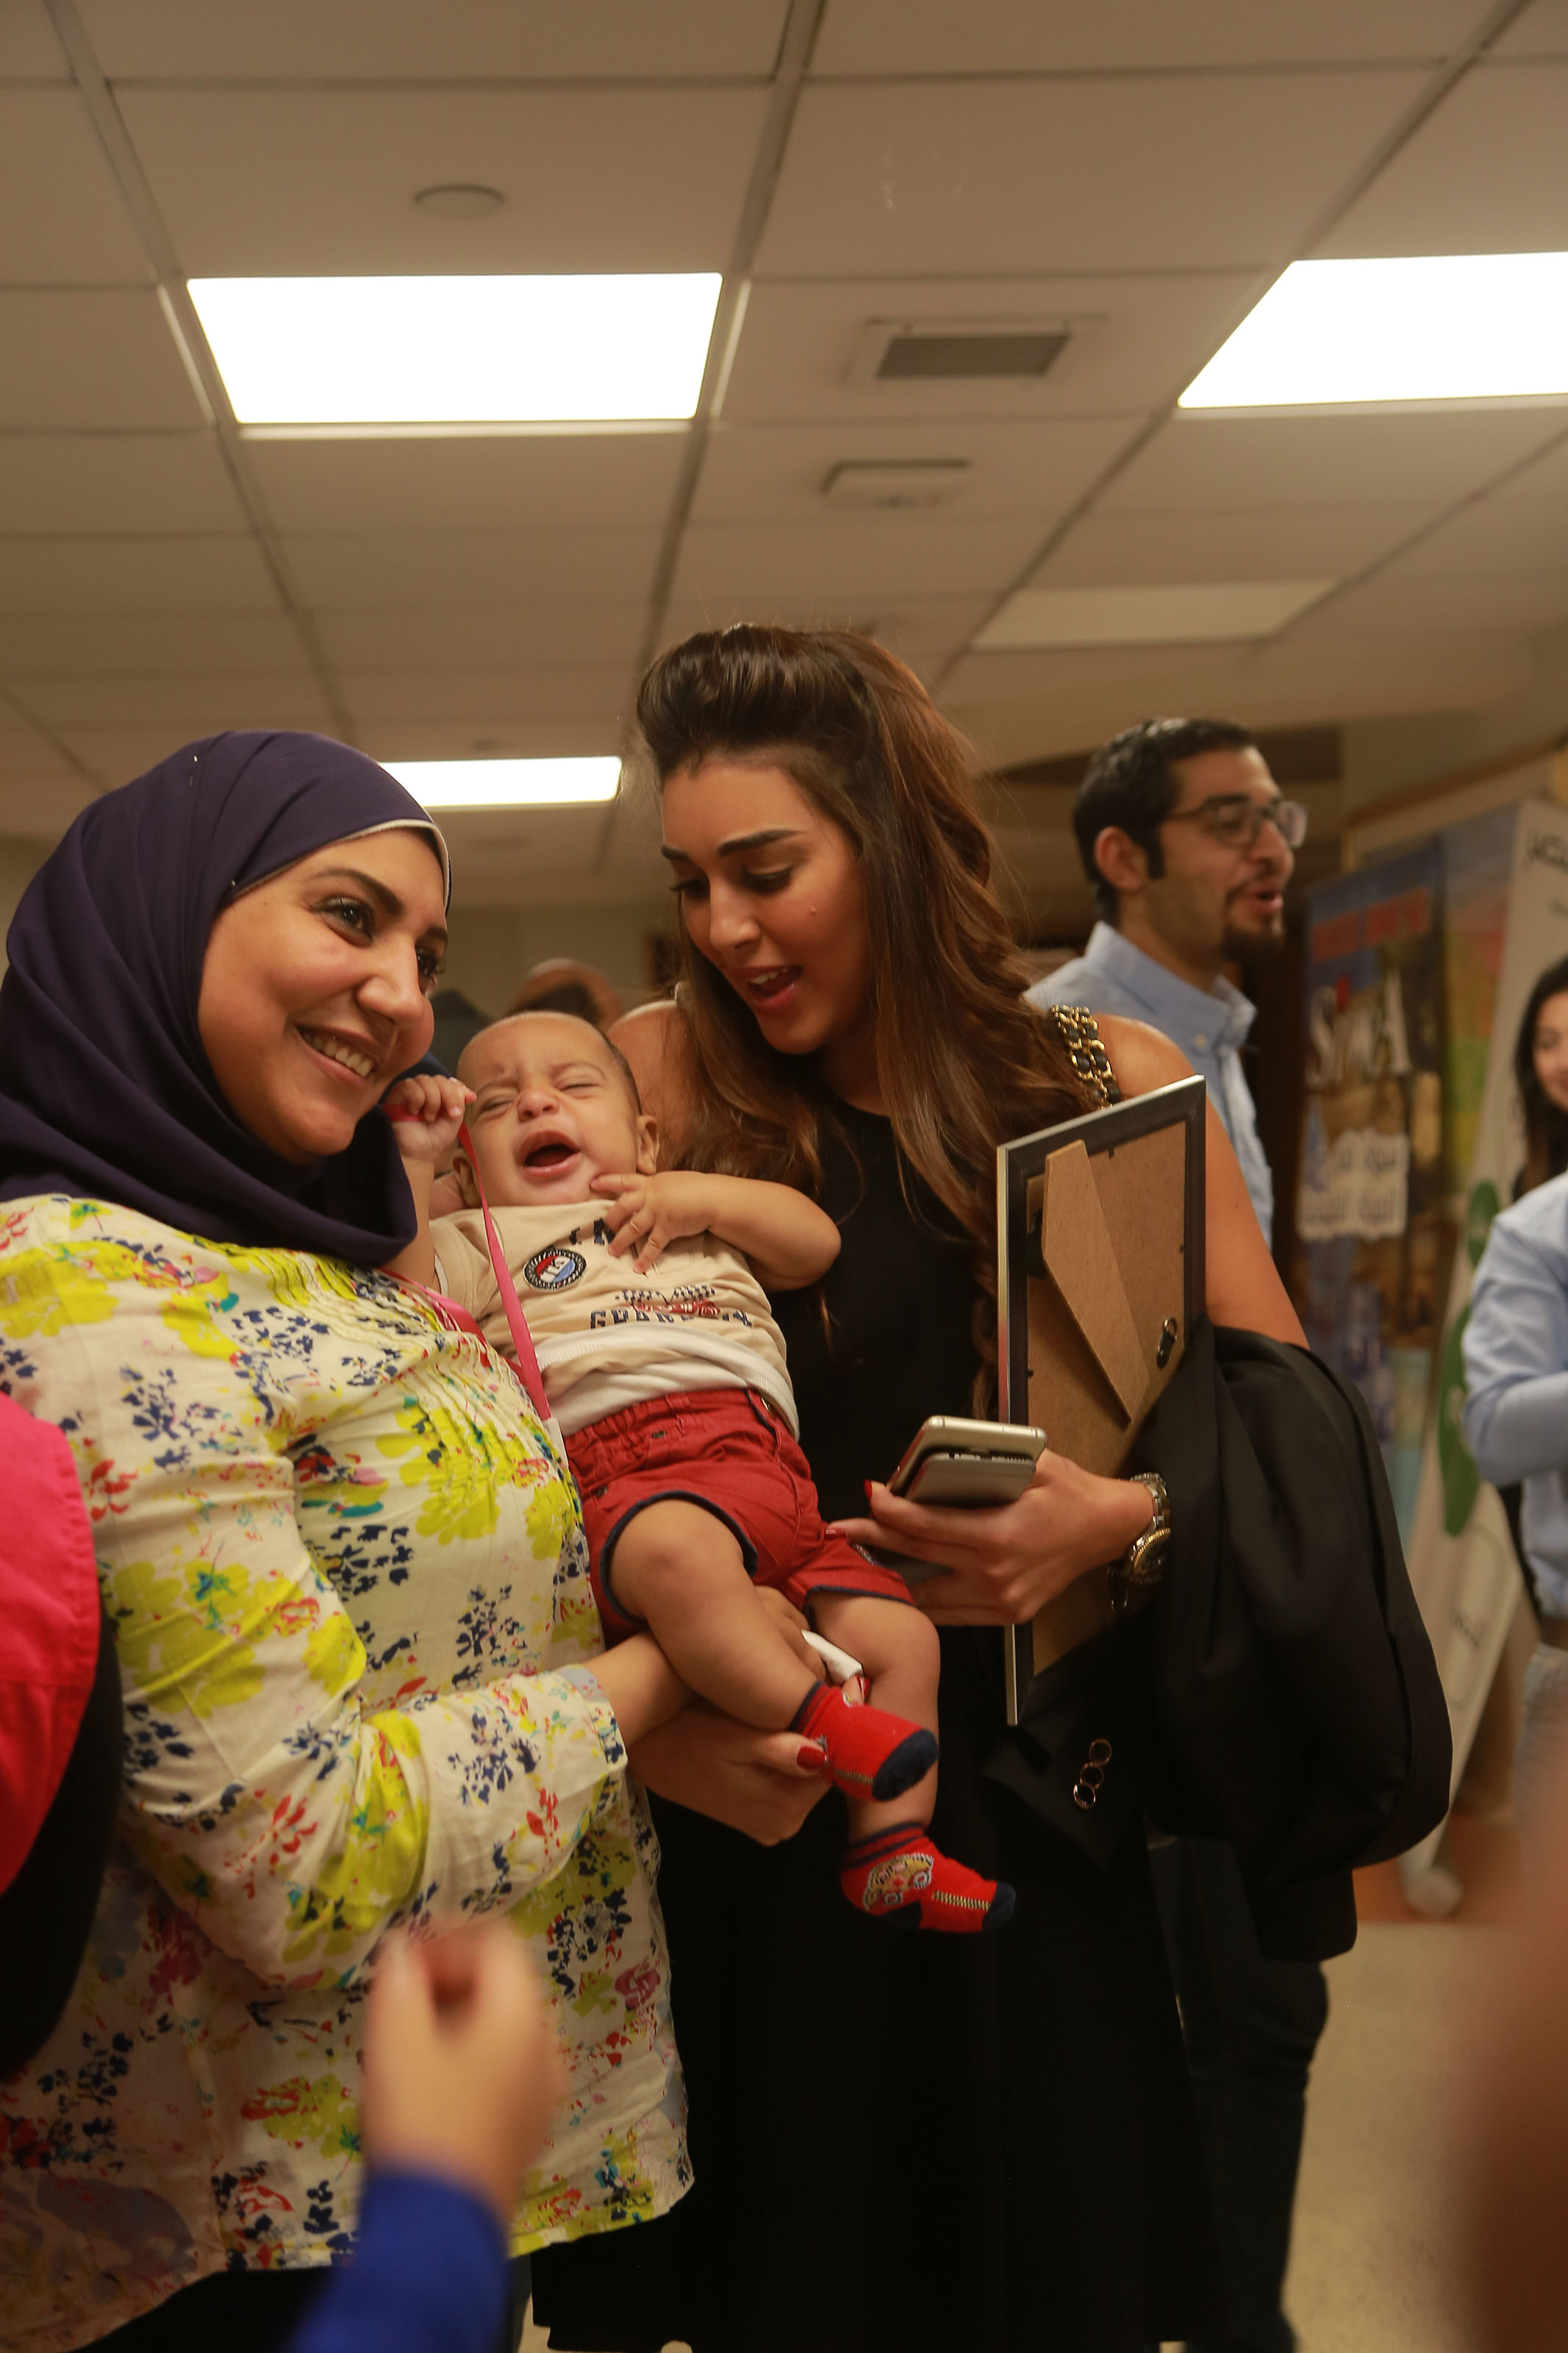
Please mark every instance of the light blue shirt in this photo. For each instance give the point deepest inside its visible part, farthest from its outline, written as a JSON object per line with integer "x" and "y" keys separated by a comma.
{"x": 1516, "y": 1376}
{"x": 1209, "y": 1025}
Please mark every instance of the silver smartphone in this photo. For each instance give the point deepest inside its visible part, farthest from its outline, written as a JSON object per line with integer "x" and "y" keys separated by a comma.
{"x": 972, "y": 1463}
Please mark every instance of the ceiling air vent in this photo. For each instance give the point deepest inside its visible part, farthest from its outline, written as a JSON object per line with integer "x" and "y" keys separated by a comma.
{"x": 954, "y": 350}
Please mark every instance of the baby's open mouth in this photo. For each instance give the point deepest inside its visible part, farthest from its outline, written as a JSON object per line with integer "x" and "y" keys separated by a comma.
{"x": 549, "y": 1155}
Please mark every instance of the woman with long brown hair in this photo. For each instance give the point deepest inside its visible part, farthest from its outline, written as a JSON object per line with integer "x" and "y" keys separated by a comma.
{"x": 992, "y": 2144}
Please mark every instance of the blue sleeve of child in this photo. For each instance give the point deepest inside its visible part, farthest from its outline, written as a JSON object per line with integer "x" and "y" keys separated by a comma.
{"x": 429, "y": 2274}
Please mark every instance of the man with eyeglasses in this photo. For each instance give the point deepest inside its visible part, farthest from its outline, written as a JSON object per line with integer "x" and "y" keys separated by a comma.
{"x": 1189, "y": 846}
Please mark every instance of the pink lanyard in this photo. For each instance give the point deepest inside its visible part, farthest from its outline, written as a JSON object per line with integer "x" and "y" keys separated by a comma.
{"x": 512, "y": 1306}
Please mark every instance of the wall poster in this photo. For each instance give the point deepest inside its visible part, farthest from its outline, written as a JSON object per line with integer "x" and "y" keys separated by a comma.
{"x": 1370, "y": 1218}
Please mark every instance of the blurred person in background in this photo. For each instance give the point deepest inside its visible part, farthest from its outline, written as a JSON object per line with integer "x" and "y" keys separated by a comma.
{"x": 1515, "y": 1339}
{"x": 1541, "y": 1074}
{"x": 561, "y": 986}
{"x": 1189, "y": 844}
{"x": 1512, "y": 2146}
{"x": 461, "y": 2074}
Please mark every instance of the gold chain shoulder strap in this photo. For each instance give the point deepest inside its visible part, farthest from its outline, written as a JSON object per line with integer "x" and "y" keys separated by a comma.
{"x": 1080, "y": 1035}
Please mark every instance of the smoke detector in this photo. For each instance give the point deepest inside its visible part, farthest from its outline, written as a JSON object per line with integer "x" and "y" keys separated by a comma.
{"x": 895, "y": 483}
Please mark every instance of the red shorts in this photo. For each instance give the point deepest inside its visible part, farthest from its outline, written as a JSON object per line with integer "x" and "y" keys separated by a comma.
{"x": 727, "y": 1451}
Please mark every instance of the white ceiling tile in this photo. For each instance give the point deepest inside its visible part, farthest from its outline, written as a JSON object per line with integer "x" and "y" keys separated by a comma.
{"x": 515, "y": 693}
{"x": 1491, "y": 537}
{"x": 58, "y": 645}
{"x": 1540, "y": 32}
{"x": 926, "y": 632}
{"x": 1266, "y": 544}
{"x": 1141, "y": 340}
{"x": 118, "y": 754}
{"x": 556, "y": 837}
{"x": 115, "y": 483}
{"x": 1403, "y": 605}
{"x": 834, "y": 568}
{"x": 405, "y": 40}
{"x": 1292, "y": 462}
{"x": 186, "y": 706}
{"x": 595, "y": 180}
{"x": 1217, "y": 171}
{"x": 62, "y": 219}
{"x": 1467, "y": 671}
{"x": 918, "y": 36}
{"x": 558, "y": 480}
{"x": 1545, "y": 478}
{"x": 1483, "y": 174}
{"x": 472, "y": 569}
{"x": 562, "y": 737}
{"x": 95, "y": 575}
{"x": 27, "y": 751}
{"x": 39, "y": 809}
{"x": 595, "y": 634}
{"x": 1025, "y": 706}
{"x": 28, "y": 49}
{"x": 73, "y": 360}
{"x": 775, "y": 473}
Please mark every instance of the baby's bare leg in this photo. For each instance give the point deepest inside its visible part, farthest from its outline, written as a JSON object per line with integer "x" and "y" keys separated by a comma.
{"x": 898, "y": 1648}
{"x": 681, "y": 1568}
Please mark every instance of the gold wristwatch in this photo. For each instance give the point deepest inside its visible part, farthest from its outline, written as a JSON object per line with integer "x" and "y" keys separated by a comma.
{"x": 1135, "y": 1578}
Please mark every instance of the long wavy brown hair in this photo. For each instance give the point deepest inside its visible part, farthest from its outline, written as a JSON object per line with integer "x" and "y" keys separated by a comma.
{"x": 964, "y": 1062}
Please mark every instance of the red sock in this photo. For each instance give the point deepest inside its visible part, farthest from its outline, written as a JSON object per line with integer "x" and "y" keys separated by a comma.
{"x": 902, "y": 1866}
{"x": 869, "y": 1753}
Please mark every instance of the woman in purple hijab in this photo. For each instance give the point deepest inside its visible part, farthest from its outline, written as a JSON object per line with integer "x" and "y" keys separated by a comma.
{"x": 341, "y": 1554}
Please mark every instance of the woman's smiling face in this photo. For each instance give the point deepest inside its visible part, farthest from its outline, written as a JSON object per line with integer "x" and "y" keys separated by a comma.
{"x": 315, "y": 989}
{"x": 771, "y": 893}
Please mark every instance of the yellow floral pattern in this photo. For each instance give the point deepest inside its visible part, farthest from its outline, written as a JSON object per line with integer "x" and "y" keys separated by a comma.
{"x": 348, "y": 1584}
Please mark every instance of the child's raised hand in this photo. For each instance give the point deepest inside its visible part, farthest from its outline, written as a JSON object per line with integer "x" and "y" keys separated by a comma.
{"x": 648, "y": 1213}
{"x": 426, "y": 1113}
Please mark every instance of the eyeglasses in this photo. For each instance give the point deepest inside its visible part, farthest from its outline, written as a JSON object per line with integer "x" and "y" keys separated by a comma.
{"x": 1236, "y": 819}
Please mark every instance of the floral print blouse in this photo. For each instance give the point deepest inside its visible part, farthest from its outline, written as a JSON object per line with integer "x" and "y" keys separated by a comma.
{"x": 347, "y": 1574}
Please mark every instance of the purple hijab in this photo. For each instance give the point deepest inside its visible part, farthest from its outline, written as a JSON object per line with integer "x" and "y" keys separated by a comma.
{"x": 105, "y": 1089}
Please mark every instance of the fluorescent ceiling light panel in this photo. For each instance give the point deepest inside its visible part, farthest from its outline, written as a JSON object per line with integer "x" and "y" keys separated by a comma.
{"x": 507, "y": 784}
{"x": 1207, "y": 611}
{"x": 1465, "y": 326}
{"x": 459, "y": 350}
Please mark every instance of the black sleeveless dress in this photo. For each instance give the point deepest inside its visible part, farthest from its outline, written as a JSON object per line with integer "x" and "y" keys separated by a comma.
{"x": 904, "y": 2139}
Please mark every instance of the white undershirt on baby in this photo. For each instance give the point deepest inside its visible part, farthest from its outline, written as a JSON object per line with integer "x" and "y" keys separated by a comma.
{"x": 607, "y": 1337}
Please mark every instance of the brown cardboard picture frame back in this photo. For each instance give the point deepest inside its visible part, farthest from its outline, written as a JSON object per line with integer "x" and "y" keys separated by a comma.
{"x": 1114, "y": 1201}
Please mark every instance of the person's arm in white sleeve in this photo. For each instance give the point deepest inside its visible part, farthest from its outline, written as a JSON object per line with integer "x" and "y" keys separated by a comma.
{"x": 1516, "y": 1359}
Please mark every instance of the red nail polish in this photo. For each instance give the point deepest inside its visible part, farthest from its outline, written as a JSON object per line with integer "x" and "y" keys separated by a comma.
{"x": 868, "y": 1484}
{"x": 809, "y": 1757}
